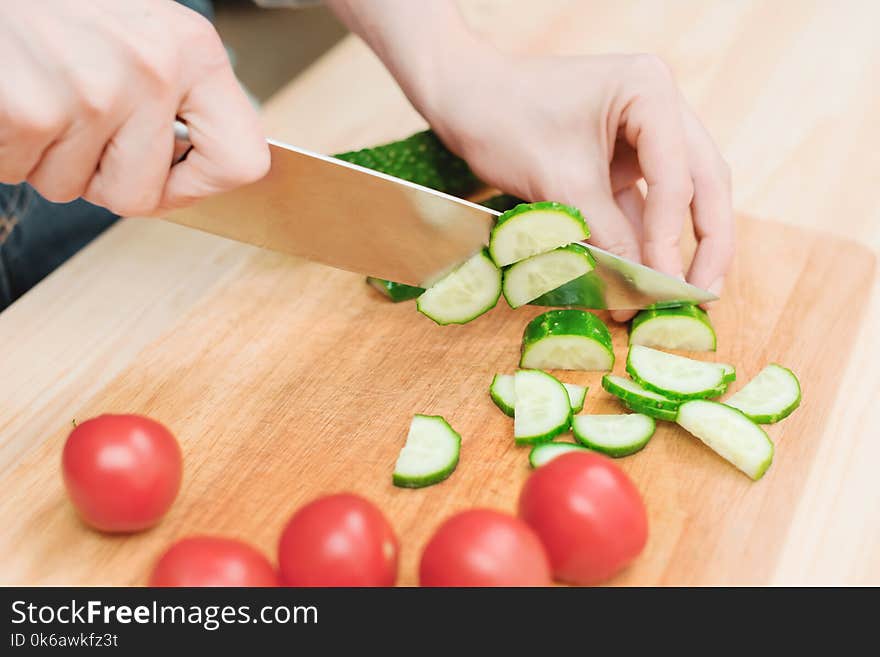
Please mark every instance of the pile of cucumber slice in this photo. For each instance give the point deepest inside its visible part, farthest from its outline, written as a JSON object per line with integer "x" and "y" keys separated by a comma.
{"x": 543, "y": 408}
{"x": 534, "y": 257}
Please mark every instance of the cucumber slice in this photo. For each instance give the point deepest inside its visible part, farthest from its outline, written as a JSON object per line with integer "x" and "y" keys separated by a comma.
{"x": 729, "y": 372}
{"x": 464, "y": 294}
{"x": 542, "y": 410}
{"x": 503, "y": 394}
{"x": 567, "y": 340}
{"x": 668, "y": 415}
{"x": 533, "y": 228}
{"x": 771, "y": 396}
{"x": 674, "y": 376}
{"x": 501, "y": 202}
{"x": 614, "y": 435}
{"x": 530, "y": 278}
{"x": 729, "y": 433}
{"x": 630, "y": 391}
{"x": 430, "y": 453}
{"x": 422, "y": 159}
{"x": 576, "y": 396}
{"x": 546, "y": 452}
{"x": 397, "y": 292}
{"x": 587, "y": 291}
{"x": 686, "y": 327}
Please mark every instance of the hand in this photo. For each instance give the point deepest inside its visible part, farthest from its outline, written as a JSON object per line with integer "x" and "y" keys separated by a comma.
{"x": 89, "y": 94}
{"x": 584, "y": 131}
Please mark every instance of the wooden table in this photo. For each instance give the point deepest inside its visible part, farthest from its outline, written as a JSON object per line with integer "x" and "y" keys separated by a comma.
{"x": 791, "y": 91}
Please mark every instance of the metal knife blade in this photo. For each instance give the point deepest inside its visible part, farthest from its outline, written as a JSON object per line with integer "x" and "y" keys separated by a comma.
{"x": 343, "y": 215}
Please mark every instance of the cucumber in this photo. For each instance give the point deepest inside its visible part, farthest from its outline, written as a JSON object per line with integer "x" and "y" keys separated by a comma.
{"x": 546, "y": 452}
{"x": 567, "y": 339}
{"x": 397, "y": 292}
{"x": 729, "y": 372}
{"x": 576, "y": 396}
{"x": 631, "y": 392}
{"x": 729, "y": 433}
{"x": 430, "y": 453}
{"x": 668, "y": 415}
{"x": 421, "y": 159}
{"x": 771, "y": 396}
{"x": 543, "y": 409}
{"x": 503, "y": 394}
{"x": 464, "y": 294}
{"x": 501, "y": 202}
{"x": 614, "y": 435}
{"x": 587, "y": 291}
{"x": 530, "y": 278}
{"x": 533, "y": 228}
{"x": 685, "y": 327}
{"x": 674, "y": 376}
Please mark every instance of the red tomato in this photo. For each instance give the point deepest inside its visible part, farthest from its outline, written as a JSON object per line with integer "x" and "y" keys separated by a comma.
{"x": 212, "y": 561}
{"x": 338, "y": 540}
{"x": 481, "y": 547}
{"x": 122, "y": 472}
{"x": 588, "y": 514}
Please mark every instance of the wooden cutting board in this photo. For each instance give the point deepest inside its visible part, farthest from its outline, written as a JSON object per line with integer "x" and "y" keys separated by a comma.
{"x": 296, "y": 380}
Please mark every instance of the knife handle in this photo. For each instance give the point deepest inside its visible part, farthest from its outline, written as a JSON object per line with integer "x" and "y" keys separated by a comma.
{"x": 182, "y": 144}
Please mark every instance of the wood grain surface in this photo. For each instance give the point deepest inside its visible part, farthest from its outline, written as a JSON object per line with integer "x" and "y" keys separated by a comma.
{"x": 294, "y": 380}
{"x": 284, "y": 379}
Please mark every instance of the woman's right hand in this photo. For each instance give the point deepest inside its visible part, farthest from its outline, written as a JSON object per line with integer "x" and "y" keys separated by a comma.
{"x": 89, "y": 94}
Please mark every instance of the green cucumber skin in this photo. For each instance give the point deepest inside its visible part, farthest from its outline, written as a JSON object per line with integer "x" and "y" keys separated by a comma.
{"x": 587, "y": 291}
{"x": 483, "y": 311}
{"x": 551, "y": 206}
{"x": 546, "y": 437}
{"x": 396, "y": 292}
{"x": 703, "y": 394}
{"x": 570, "y": 447}
{"x": 573, "y": 248}
{"x": 422, "y": 159}
{"x": 402, "y": 481}
{"x": 615, "y": 452}
{"x": 788, "y": 410}
{"x": 545, "y": 206}
{"x": 730, "y": 377}
{"x": 501, "y": 202}
{"x": 500, "y": 403}
{"x": 687, "y": 310}
{"x": 567, "y": 321}
{"x": 633, "y": 398}
{"x": 653, "y": 412}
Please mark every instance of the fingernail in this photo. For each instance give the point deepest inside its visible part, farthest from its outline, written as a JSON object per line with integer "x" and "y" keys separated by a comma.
{"x": 717, "y": 286}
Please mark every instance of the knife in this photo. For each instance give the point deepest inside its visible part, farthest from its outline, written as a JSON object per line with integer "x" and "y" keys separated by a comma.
{"x": 346, "y": 216}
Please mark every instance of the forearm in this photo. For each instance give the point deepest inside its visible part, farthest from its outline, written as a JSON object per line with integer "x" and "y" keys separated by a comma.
{"x": 423, "y": 44}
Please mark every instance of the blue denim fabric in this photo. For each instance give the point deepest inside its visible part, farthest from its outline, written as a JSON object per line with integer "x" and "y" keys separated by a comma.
{"x": 36, "y": 236}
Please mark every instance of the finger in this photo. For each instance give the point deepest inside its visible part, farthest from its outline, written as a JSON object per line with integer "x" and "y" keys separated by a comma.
{"x": 632, "y": 204}
{"x": 30, "y": 120}
{"x": 712, "y": 210}
{"x": 625, "y": 169}
{"x": 653, "y": 127}
{"x": 228, "y": 147}
{"x": 135, "y": 163}
{"x": 66, "y": 167}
